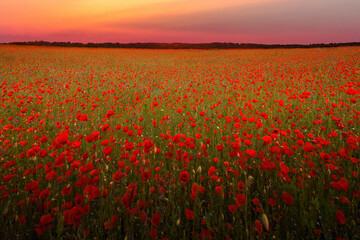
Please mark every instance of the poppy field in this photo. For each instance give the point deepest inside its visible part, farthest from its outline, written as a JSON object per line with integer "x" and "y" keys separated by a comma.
{"x": 179, "y": 144}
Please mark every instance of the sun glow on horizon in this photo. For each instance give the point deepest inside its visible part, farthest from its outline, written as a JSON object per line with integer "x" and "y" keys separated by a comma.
{"x": 178, "y": 20}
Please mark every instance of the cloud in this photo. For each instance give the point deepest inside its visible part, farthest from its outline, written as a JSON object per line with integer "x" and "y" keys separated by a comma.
{"x": 265, "y": 18}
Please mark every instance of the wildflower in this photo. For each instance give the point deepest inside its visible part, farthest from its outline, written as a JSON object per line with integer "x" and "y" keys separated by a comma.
{"x": 340, "y": 217}
{"x": 155, "y": 220}
{"x": 189, "y": 214}
{"x": 184, "y": 176}
{"x": 287, "y": 198}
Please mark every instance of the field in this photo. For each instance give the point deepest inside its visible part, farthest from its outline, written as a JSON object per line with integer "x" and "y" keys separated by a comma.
{"x": 179, "y": 144}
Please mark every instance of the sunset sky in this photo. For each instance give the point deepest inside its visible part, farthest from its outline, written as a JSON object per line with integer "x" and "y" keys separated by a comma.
{"x": 192, "y": 21}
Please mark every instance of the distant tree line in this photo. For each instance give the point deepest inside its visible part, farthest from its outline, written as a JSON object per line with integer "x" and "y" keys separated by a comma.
{"x": 214, "y": 45}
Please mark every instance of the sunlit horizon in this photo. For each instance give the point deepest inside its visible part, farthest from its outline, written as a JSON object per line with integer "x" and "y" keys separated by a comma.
{"x": 168, "y": 21}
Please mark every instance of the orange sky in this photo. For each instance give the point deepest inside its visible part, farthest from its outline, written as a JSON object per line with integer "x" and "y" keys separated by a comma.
{"x": 258, "y": 21}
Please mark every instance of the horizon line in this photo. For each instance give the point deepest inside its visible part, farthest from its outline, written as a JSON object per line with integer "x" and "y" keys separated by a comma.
{"x": 179, "y": 45}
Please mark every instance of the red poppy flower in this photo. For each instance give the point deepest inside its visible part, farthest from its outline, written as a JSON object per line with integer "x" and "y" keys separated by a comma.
{"x": 232, "y": 208}
{"x": 340, "y": 217}
{"x": 109, "y": 224}
{"x": 325, "y": 157}
{"x": 287, "y": 198}
{"x": 79, "y": 199}
{"x": 155, "y": 220}
{"x": 107, "y": 150}
{"x": 44, "y": 193}
{"x": 117, "y": 176}
{"x": 218, "y": 190}
{"x": 125, "y": 200}
{"x": 235, "y": 145}
{"x": 90, "y": 138}
{"x": 153, "y": 233}
{"x": 44, "y": 223}
{"x": 198, "y": 135}
{"x": 51, "y": 175}
{"x": 76, "y": 213}
{"x": 32, "y": 151}
{"x": 146, "y": 175}
{"x": 258, "y": 226}
{"x": 184, "y": 176}
{"x": 105, "y": 127}
{"x": 351, "y": 91}
{"x": 105, "y": 142}
{"x": 82, "y": 117}
{"x": 8, "y": 177}
{"x": 267, "y": 140}
{"x": 240, "y": 199}
{"x": 308, "y": 147}
{"x": 44, "y": 139}
{"x": 31, "y": 186}
{"x": 22, "y": 219}
{"x": 344, "y": 184}
{"x": 272, "y": 202}
{"x": 66, "y": 191}
{"x": 251, "y": 152}
{"x": 220, "y": 147}
{"x": 189, "y": 214}
{"x": 212, "y": 171}
{"x": 143, "y": 217}
{"x": 110, "y": 113}
{"x": 75, "y": 144}
{"x": 129, "y": 146}
{"x": 62, "y": 138}
{"x": 92, "y": 192}
{"x": 148, "y": 144}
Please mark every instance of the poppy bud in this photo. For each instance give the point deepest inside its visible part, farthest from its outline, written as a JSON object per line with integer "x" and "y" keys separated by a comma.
{"x": 265, "y": 222}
